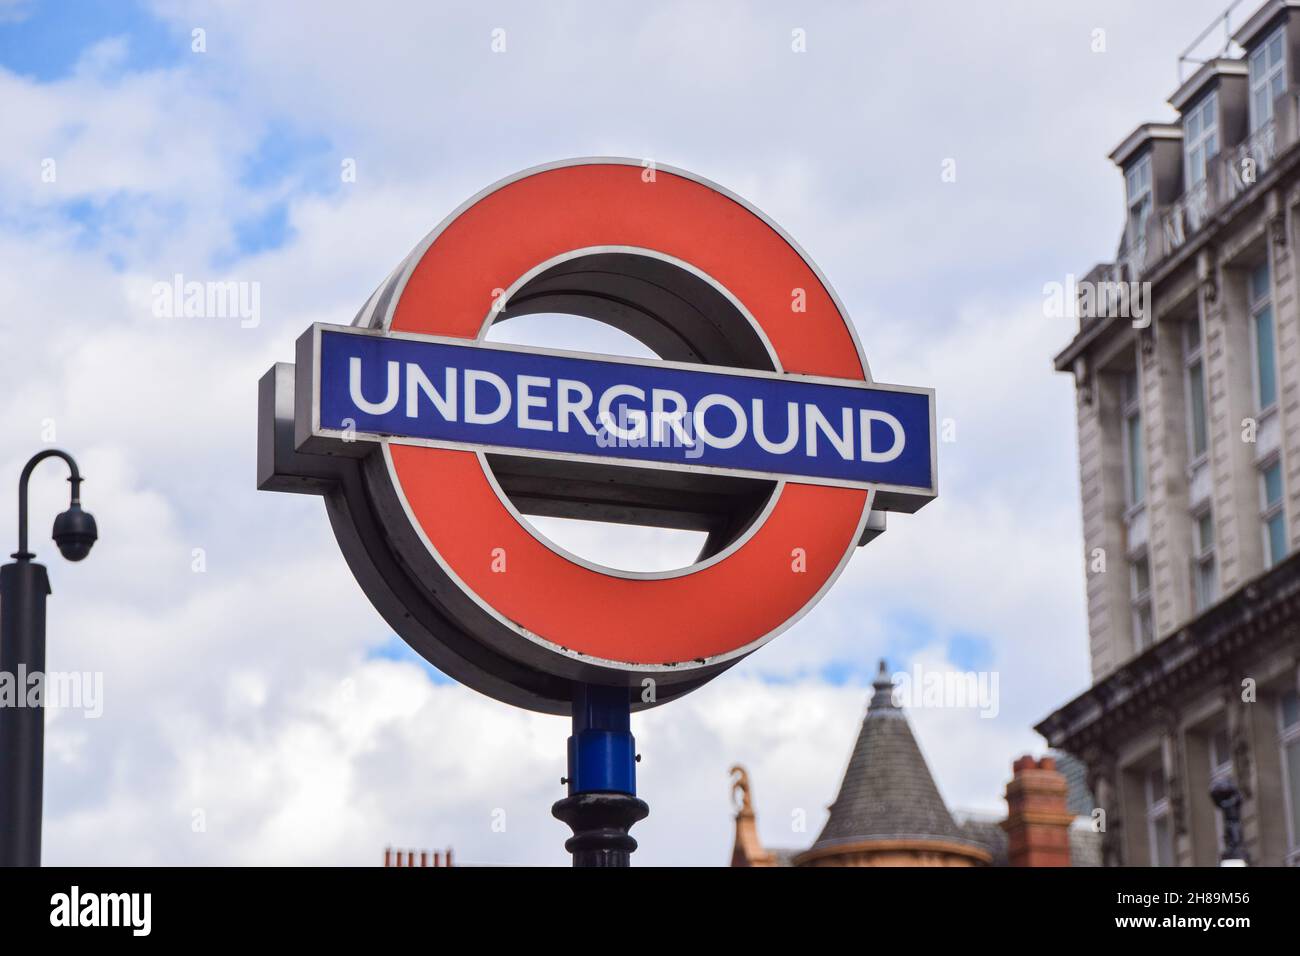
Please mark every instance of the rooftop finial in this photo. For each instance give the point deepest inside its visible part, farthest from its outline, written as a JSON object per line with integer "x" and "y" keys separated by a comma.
{"x": 740, "y": 790}
{"x": 883, "y": 698}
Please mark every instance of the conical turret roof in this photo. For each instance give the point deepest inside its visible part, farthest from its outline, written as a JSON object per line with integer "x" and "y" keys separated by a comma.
{"x": 888, "y": 792}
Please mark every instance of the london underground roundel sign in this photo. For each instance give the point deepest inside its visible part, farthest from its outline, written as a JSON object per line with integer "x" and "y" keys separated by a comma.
{"x": 759, "y": 425}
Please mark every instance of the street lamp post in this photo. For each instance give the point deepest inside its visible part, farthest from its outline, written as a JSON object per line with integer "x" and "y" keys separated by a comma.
{"x": 24, "y": 586}
{"x": 1228, "y": 799}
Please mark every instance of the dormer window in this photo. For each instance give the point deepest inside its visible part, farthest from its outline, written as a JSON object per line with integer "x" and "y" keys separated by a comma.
{"x": 1200, "y": 139}
{"x": 1267, "y": 78}
{"x": 1138, "y": 187}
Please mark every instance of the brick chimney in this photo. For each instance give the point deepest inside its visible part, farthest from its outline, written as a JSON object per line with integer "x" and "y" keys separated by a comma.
{"x": 1037, "y": 823}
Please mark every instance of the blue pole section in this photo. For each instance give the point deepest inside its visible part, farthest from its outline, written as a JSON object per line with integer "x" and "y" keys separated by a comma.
{"x": 602, "y": 804}
{"x": 602, "y": 751}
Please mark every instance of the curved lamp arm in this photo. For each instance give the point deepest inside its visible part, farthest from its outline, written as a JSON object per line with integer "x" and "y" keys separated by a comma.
{"x": 75, "y": 478}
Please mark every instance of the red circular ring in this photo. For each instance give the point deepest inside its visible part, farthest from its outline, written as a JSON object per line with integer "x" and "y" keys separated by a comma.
{"x": 721, "y": 609}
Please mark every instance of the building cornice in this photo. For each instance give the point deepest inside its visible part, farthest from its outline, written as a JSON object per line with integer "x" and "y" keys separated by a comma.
{"x": 1259, "y": 616}
{"x": 918, "y": 845}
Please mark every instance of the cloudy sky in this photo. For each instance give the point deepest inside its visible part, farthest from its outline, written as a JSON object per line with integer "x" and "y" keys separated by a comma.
{"x": 256, "y": 708}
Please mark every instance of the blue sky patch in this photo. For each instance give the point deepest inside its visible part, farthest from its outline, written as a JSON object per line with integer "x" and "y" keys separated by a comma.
{"x": 269, "y": 230}
{"x": 285, "y": 153}
{"x": 49, "y": 38}
{"x": 396, "y": 649}
{"x": 970, "y": 652}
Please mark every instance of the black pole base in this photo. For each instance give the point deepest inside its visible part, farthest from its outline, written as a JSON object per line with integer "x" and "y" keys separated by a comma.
{"x": 600, "y": 824}
{"x": 24, "y": 587}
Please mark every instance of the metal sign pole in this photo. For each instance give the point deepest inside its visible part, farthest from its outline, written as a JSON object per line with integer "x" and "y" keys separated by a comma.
{"x": 602, "y": 804}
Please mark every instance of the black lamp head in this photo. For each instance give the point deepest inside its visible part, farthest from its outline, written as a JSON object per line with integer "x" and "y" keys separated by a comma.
{"x": 1225, "y": 794}
{"x": 75, "y": 532}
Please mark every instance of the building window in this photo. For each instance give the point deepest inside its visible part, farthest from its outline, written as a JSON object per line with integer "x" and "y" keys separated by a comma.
{"x": 1267, "y": 78}
{"x": 1140, "y": 588}
{"x": 1261, "y": 326}
{"x": 1289, "y": 741}
{"x": 1160, "y": 835}
{"x": 1220, "y": 756}
{"x": 1198, "y": 435}
{"x": 1200, "y": 139}
{"x": 1134, "y": 461}
{"x": 1137, "y": 181}
{"x": 1205, "y": 583}
{"x": 1273, "y": 513}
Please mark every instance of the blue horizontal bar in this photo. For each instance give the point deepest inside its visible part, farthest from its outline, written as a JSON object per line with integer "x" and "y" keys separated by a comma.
{"x": 503, "y": 398}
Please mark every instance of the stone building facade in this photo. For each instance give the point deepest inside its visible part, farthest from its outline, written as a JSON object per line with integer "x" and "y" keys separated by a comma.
{"x": 1187, "y": 367}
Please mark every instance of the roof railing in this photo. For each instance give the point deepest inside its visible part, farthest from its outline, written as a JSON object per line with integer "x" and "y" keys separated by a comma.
{"x": 1226, "y": 47}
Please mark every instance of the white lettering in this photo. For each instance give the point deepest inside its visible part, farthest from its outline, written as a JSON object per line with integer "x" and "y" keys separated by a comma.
{"x": 660, "y": 398}
{"x": 417, "y": 381}
{"x": 815, "y": 421}
{"x": 133, "y": 910}
{"x": 390, "y": 399}
{"x": 527, "y": 400}
{"x": 730, "y": 404}
{"x": 791, "y": 429}
{"x": 866, "y": 417}
{"x": 472, "y": 415}
{"x": 565, "y": 407}
{"x": 636, "y": 417}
